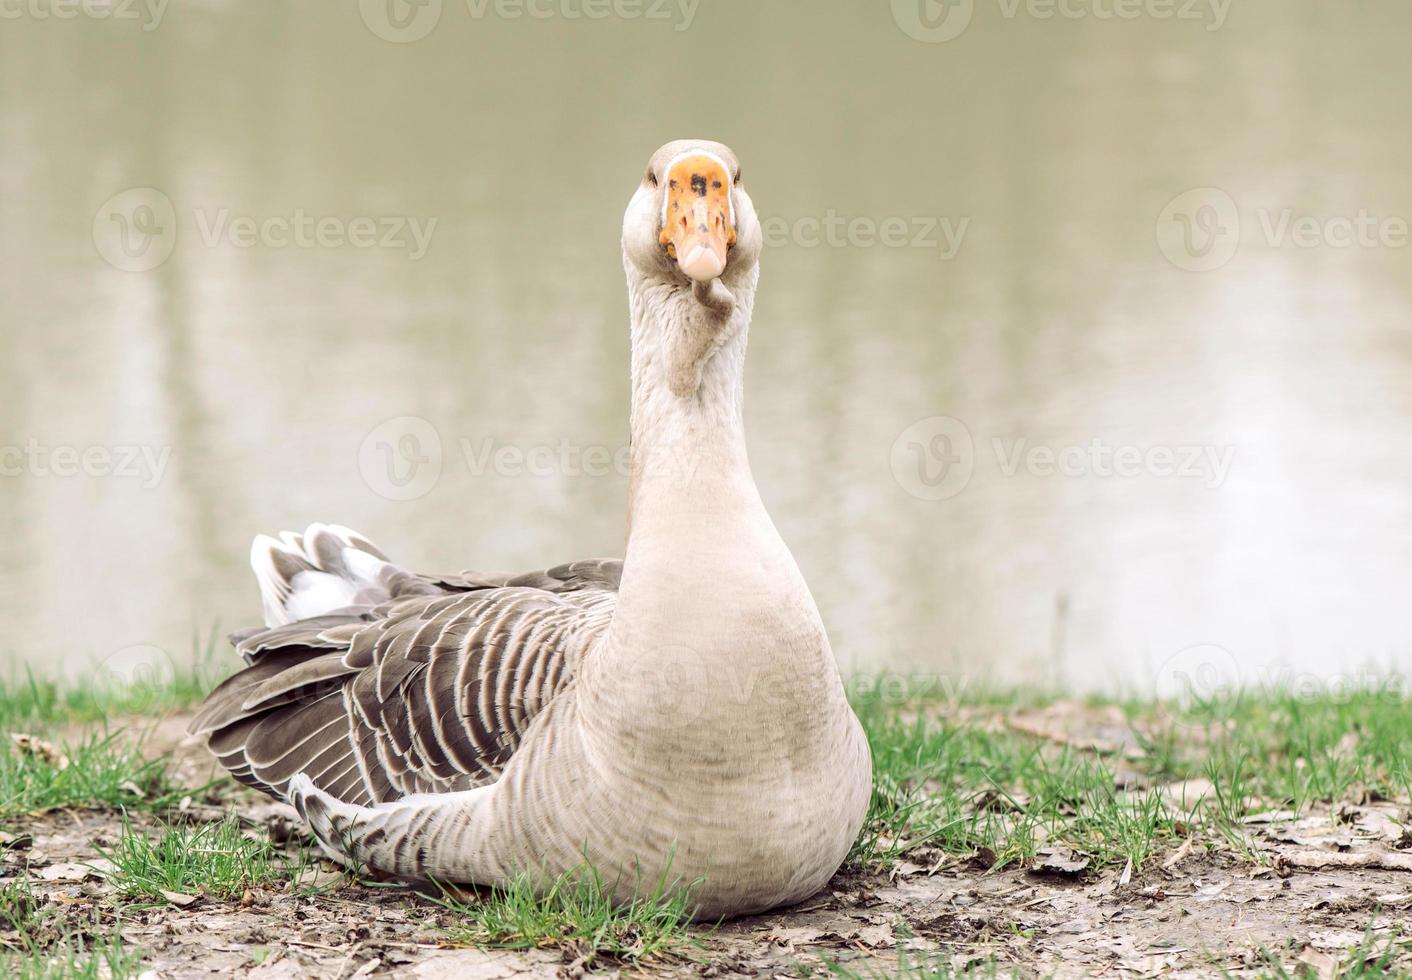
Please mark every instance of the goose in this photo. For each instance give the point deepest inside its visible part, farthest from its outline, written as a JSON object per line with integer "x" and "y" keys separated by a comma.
{"x": 675, "y": 717}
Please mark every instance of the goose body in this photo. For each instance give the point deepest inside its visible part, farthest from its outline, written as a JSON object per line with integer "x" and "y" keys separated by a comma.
{"x": 675, "y": 715}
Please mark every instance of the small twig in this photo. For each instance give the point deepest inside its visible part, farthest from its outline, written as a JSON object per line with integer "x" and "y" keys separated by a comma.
{"x": 1320, "y": 860}
{"x": 327, "y": 949}
{"x": 338, "y": 975}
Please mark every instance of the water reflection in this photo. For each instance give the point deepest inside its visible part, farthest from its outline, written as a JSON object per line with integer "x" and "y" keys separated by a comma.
{"x": 1059, "y": 327}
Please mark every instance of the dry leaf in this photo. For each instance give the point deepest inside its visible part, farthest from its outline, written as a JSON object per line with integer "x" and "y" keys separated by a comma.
{"x": 181, "y": 899}
{"x": 876, "y": 937}
{"x": 789, "y": 938}
{"x": 1188, "y": 794}
{"x": 68, "y": 871}
{"x": 1178, "y": 856}
{"x": 1059, "y": 861}
{"x": 1322, "y": 964}
{"x": 15, "y": 842}
{"x": 36, "y": 746}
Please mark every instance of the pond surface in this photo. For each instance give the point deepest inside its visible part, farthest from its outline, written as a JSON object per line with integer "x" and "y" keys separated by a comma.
{"x": 1083, "y": 352}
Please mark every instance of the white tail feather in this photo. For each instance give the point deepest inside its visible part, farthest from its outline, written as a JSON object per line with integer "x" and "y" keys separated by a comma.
{"x": 326, "y": 568}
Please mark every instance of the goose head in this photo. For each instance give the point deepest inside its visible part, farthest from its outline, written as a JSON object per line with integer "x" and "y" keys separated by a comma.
{"x": 691, "y": 248}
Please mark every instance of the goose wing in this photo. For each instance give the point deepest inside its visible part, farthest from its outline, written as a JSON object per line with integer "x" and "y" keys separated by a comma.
{"x": 426, "y": 693}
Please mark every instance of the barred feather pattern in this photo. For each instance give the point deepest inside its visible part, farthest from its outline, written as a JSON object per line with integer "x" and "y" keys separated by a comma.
{"x": 428, "y": 692}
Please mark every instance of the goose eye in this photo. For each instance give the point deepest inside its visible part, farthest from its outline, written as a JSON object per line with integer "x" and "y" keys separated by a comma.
{"x": 651, "y": 178}
{"x": 737, "y": 178}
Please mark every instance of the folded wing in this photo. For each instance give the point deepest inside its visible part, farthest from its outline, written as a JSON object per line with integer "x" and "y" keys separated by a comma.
{"x": 429, "y": 691}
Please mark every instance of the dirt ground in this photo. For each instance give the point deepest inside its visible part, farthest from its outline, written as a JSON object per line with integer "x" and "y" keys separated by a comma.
{"x": 1198, "y": 910}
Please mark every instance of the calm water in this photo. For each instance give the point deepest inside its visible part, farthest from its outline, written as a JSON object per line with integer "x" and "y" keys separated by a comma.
{"x": 988, "y": 285}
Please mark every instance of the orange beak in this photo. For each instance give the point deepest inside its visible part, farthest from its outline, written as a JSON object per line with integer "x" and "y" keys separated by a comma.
{"x": 698, "y": 220}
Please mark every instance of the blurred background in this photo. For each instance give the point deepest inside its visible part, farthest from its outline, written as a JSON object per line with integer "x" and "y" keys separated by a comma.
{"x": 1082, "y": 354}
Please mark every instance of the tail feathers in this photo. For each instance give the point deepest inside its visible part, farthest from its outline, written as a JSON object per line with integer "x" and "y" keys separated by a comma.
{"x": 326, "y": 568}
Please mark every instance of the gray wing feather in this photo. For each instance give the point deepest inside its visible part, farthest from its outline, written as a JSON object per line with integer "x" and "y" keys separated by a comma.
{"x": 430, "y": 692}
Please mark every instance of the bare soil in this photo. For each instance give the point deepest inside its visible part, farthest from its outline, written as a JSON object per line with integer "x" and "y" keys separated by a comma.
{"x": 1198, "y": 910}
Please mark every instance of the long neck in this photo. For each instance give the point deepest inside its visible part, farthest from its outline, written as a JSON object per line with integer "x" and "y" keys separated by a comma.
{"x": 711, "y": 607}
{"x": 688, "y": 437}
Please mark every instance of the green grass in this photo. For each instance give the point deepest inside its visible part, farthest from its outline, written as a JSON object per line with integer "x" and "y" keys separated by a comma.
{"x": 75, "y": 957}
{"x": 37, "y": 946}
{"x": 952, "y": 783}
{"x": 1301, "y": 749}
{"x": 1371, "y": 959}
{"x": 576, "y": 912}
{"x": 904, "y": 964}
{"x": 971, "y": 790}
{"x": 953, "y": 780}
{"x": 217, "y": 860}
{"x": 141, "y": 690}
{"x": 908, "y": 966}
{"x": 106, "y": 766}
{"x": 102, "y": 771}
